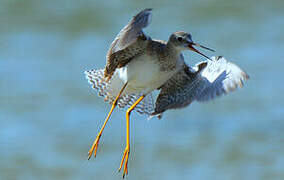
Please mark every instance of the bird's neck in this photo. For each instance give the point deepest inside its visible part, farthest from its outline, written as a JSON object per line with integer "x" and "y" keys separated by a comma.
{"x": 174, "y": 50}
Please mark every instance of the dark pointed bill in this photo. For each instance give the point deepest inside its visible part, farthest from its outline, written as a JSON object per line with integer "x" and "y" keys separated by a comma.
{"x": 190, "y": 46}
{"x": 196, "y": 44}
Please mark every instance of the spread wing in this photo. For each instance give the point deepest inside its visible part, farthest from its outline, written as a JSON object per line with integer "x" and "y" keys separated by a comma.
{"x": 204, "y": 82}
{"x": 130, "y": 42}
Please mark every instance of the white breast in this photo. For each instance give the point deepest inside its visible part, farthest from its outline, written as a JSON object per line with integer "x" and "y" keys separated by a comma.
{"x": 143, "y": 75}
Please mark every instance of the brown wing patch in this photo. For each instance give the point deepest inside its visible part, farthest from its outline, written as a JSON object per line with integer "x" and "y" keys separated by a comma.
{"x": 175, "y": 92}
{"x": 123, "y": 57}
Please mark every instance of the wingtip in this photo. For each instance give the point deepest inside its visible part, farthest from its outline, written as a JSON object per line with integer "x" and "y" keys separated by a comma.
{"x": 142, "y": 18}
{"x": 148, "y": 9}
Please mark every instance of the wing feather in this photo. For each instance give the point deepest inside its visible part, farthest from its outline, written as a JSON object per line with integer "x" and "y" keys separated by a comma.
{"x": 221, "y": 77}
{"x": 204, "y": 82}
{"x": 128, "y": 43}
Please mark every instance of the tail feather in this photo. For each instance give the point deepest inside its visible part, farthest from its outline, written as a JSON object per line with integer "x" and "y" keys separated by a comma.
{"x": 110, "y": 89}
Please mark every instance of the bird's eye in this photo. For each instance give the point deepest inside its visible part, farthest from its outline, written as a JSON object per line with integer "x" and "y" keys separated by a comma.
{"x": 180, "y": 39}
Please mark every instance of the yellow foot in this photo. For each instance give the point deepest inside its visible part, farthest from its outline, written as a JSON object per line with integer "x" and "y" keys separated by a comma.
{"x": 125, "y": 157}
{"x": 94, "y": 147}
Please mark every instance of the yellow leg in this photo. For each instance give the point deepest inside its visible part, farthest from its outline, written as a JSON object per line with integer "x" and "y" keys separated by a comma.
{"x": 127, "y": 148}
{"x": 96, "y": 142}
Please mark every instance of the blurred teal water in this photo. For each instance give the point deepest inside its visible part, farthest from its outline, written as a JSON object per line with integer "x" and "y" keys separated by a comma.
{"x": 49, "y": 115}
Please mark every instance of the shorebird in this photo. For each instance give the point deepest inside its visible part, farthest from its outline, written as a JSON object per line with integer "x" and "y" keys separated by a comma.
{"x": 137, "y": 65}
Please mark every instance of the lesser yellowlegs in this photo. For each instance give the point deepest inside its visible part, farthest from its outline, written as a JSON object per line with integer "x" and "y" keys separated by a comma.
{"x": 136, "y": 65}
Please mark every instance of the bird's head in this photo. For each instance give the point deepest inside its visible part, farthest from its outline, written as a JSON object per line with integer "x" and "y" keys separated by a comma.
{"x": 182, "y": 41}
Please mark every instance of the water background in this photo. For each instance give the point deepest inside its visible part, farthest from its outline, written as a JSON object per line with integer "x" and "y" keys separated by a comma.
{"x": 49, "y": 115}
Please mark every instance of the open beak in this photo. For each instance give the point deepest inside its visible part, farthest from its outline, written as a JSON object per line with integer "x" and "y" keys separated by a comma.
{"x": 190, "y": 46}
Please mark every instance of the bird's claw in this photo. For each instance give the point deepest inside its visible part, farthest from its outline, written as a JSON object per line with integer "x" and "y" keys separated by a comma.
{"x": 125, "y": 157}
{"x": 94, "y": 147}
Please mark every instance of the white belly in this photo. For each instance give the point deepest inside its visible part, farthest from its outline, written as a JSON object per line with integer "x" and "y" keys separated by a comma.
{"x": 143, "y": 75}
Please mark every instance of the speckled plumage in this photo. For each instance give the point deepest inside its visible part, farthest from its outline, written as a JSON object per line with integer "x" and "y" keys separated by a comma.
{"x": 121, "y": 57}
{"x": 179, "y": 85}
{"x": 204, "y": 82}
{"x": 137, "y": 65}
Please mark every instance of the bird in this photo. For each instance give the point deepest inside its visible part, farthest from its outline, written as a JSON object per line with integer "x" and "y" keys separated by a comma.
{"x": 137, "y": 65}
